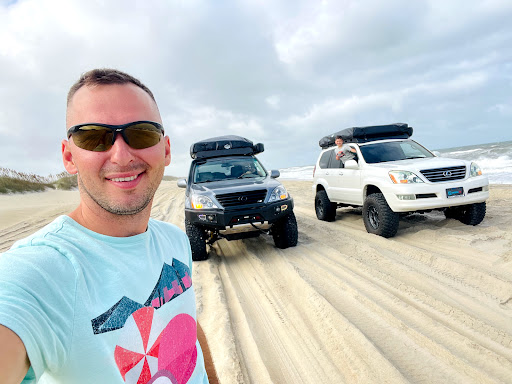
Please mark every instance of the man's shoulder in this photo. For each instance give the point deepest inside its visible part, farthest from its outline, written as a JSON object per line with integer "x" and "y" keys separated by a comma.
{"x": 51, "y": 228}
{"x": 45, "y": 249}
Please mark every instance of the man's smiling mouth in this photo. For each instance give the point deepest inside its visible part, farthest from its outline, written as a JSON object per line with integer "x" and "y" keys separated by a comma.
{"x": 125, "y": 178}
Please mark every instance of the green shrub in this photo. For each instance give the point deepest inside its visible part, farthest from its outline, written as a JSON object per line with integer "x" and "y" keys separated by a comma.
{"x": 11, "y": 185}
{"x": 18, "y": 182}
{"x": 66, "y": 183}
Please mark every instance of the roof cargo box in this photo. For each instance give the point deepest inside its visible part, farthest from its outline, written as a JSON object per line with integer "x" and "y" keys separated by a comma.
{"x": 370, "y": 133}
{"x": 224, "y": 146}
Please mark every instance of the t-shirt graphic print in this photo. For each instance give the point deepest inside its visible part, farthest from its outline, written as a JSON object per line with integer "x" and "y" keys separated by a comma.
{"x": 151, "y": 349}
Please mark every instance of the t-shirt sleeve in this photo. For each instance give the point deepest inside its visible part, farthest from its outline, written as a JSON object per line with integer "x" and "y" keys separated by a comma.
{"x": 37, "y": 296}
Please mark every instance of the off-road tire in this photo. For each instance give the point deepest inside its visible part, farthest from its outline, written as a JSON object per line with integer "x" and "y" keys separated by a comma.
{"x": 197, "y": 238}
{"x": 471, "y": 214}
{"x": 285, "y": 231}
{"x": 378, "y": 217}
{"x": 325, "y": 210}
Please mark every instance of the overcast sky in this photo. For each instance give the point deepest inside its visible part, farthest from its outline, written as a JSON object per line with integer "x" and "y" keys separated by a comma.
{"x": 285, "y": 73}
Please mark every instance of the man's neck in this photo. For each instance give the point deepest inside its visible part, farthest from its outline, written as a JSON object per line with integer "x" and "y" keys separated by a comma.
{"x": 109, "y": 224}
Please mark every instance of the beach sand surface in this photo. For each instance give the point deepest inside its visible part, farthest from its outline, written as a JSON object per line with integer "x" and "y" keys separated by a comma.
{"x": 431, "y": 305}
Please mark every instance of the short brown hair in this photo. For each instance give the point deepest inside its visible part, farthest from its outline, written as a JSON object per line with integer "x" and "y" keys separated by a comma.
{"x": 105, "y": 76}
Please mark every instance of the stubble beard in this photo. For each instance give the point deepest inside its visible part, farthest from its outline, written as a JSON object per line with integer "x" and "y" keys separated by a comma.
{"x": 117, "y": 209}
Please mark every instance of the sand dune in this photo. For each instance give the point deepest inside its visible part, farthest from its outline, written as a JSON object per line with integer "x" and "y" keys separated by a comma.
{"x": 431, "y": 305}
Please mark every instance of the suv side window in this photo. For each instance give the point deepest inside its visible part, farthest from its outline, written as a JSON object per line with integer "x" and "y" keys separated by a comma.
{"x": 335, "y": 163}
{"x": 324, "y": 159}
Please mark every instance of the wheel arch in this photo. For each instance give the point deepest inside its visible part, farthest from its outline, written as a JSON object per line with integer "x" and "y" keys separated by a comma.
{"x": 320, "y": 187}
{"x": 370, "y": 189}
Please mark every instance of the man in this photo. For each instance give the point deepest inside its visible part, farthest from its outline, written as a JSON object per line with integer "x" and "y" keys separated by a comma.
{"x": 104, "y": 295}
{"x": 343, "y": 152}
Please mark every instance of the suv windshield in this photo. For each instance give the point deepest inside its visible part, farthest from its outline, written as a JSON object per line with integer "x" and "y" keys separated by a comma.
{"x": 393, "y": 151}
{"x": 223, "y": 168}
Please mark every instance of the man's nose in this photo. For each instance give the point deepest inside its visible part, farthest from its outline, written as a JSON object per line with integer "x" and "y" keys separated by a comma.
{"x": 121, "y": 152}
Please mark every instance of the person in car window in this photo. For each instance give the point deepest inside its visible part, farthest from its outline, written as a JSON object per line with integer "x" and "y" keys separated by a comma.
{"x": 343, "y": 152}
{"x": 249, "y": 169}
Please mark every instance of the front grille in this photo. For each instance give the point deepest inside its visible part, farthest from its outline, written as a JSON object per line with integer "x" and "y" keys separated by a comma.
{"x": 242, "y": 198}
{"x": 444, "y": 174}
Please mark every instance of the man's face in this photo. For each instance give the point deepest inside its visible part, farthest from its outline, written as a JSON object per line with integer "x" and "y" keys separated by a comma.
{"x": 338, "y": 142}
{"x": 121, "y": 180}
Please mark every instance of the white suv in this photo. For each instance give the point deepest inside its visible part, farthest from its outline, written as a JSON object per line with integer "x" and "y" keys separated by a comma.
{"x": 393, "y": 175}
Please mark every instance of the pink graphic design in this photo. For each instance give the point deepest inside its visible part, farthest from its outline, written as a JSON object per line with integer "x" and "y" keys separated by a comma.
{"x": 148, "y": 352}
{"x": 178, "y": 352}
{"x": 163, "y": 377}
{"x": 137, "y": 353}
{"x": 176, "y": 289}
{"x": 187, "y": 281}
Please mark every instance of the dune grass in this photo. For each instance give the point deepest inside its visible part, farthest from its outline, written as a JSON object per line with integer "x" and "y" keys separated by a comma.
{"x": 18, "y": 182}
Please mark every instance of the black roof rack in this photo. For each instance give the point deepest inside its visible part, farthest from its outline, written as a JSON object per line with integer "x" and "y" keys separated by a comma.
{"x": 224, "y": 146}
{"x": 369, "y": 133}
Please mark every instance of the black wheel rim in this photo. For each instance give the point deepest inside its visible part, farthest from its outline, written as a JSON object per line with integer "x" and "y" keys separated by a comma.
{"x": 319, "y": 208}
{"x": 373, "y": 217}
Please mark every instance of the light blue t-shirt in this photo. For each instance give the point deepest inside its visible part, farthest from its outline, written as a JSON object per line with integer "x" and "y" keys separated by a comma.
{"x": 92, "y": 308}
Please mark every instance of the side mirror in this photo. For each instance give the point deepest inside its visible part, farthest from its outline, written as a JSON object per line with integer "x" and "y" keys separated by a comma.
{"x": 275, "y": 173}
{"x": 351, "y": 164}
{"x": 182, "y": 183}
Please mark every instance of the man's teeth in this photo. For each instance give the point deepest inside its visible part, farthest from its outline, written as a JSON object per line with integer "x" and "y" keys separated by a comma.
{"x": 125, "y": 178}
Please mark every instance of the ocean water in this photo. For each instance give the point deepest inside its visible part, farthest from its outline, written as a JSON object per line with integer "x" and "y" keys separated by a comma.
{"x": 495, "y": 159}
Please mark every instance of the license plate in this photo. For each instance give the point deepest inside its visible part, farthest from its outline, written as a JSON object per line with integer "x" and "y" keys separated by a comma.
{"x": 454, "y": 192}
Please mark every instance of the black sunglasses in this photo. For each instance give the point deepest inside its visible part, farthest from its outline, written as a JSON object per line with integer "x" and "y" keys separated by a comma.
{"x": 101, "y": 137}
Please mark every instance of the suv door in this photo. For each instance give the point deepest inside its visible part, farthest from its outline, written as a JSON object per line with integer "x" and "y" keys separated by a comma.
{"x": 345, "y": 183}
{"x": 321, "y": 169}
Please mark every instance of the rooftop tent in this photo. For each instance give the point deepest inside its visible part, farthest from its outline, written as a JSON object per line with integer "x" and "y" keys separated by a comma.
{"x": 369, "y": 133}
{"x": 224, "y": 146}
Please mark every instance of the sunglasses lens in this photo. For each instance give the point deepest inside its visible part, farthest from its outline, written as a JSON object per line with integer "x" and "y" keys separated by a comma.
{"x": 142, "y": 135}
{"x": 99, "y": 139}
{"x": 93, "y": 138}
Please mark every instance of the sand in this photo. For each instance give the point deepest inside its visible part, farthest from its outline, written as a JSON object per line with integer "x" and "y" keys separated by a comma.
{"x": 431, "y": 305}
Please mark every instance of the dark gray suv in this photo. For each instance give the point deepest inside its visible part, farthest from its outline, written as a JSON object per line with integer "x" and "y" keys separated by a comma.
{"x": 229, "y": 194}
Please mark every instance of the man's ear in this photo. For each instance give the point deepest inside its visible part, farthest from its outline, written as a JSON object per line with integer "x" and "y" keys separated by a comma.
{"x": 167, "y": 151}
{"x": 67, "y": 158}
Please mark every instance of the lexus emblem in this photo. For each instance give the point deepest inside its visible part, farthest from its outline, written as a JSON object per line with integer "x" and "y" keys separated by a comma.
{"x": 242, "y": 198}
{"x": 447, "y": 173}
{"x": 227, "y": 146}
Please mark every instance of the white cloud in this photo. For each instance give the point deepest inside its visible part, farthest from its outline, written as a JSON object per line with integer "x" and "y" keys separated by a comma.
{"x": 273, "y": 101}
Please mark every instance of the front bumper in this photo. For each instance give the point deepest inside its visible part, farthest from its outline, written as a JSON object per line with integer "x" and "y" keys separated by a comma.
{"x": 426, "y": 196}
{"x": 236, "y": 216}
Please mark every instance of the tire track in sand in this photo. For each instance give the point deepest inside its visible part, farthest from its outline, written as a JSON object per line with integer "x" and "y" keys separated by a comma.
{"x": 348, "y": 305}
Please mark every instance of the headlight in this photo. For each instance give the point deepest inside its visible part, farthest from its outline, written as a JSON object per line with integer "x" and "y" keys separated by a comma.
{"x": 201, "y": 202}
{"x": 404, "y": 177}
{"x": 475, "y": 170}
{"x": 279, "y": 193}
